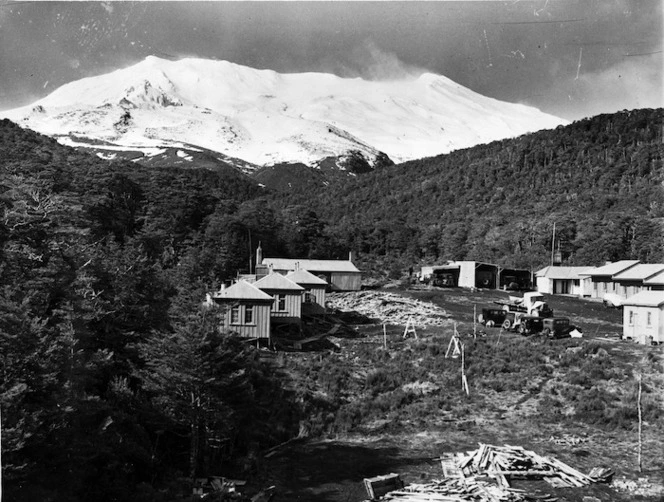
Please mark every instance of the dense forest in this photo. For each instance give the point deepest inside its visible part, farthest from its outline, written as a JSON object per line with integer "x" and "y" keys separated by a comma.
{"x": 116, "y": 384}
{"x": 114, "y": 381}
{"x": 599, "y": 180}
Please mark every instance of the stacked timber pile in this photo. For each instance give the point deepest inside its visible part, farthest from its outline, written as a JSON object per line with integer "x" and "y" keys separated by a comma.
{"x": 505, "y": 462}
{"x": 460, "y": 490}
{"x": 483, "y": 475}
{"x": 389, "y": 308}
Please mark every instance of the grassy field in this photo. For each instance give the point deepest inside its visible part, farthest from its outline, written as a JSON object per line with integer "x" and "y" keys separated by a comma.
{"x": 377, "y": 407}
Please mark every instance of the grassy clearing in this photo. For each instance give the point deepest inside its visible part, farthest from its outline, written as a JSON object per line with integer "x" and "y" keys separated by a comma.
{"x": 533, "y": 392}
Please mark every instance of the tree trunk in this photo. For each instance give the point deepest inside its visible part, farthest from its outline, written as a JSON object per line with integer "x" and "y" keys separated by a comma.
{"x": 195, "y": 436}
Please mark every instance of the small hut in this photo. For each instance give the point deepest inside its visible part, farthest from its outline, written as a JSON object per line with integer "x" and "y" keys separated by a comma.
{"x": 643, "y": 317}
{"x": 248, "y": 310}
{"x": 287, "y": 306}
{"x": 313, "y": 300}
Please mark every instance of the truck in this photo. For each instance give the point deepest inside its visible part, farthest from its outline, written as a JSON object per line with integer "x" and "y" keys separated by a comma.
{"x": 532, "y": 303}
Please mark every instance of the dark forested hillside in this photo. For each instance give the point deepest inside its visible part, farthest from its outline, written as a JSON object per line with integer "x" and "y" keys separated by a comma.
{"x": 599, "y": 180}
{"x": 114, "y": 383}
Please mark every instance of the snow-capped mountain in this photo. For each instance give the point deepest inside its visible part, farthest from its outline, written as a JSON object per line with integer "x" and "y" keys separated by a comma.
{"x": 263, "y": 117}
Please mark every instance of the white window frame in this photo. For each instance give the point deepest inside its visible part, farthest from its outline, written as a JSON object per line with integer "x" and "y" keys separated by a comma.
{"x": 281, "y": 302}
{"x": 249, "y": 317}
{"x": 235, "y": 315}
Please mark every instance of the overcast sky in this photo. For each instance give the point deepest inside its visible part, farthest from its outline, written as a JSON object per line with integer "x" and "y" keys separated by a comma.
{"x": 569, "y": 58}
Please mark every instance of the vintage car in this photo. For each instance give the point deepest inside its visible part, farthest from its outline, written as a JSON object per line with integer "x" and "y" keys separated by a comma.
{"x": 530, "y": 325}
{"x": 556, "y": 327}
{"x": 492, "y": 317}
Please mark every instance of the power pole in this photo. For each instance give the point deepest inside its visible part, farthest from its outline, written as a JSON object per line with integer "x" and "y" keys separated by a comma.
{"x": 553, "y": 242}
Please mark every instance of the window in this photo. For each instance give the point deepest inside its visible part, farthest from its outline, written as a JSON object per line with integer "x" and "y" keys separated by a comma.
{"x": 308, "y": 297}
{"x": 235, "y": 315}
{"x": 649, "y": 319}
{"x": 631, "y": 317}
{"x": 281, "y": 303}
{"x": 249, "y": 314}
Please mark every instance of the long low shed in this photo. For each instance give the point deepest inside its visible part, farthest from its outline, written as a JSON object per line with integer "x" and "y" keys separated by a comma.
{"x": 341, "y": 275}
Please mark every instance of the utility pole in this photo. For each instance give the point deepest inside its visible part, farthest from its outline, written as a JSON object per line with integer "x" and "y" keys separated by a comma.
{"x": 553, "y": 242}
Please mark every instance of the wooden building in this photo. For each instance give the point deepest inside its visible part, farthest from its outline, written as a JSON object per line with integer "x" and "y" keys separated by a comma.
{"x": 563, "y": 281}
{"x": 601, "y": 278}
{"x": 634, "y": 280}
{"x": 655, "y": 282}
{"x": 340, "y": 275}
{"x": 643, "y": 317}
{"x": 287, "y": 306}
{"x": 313, "y": 299}
{"x": 465, "y": 274}
{"x": 515, "y": 278}
{"x": 247, "y": 310}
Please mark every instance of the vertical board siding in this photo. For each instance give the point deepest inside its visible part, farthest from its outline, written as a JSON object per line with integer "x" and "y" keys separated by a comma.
{"x": 293, "y": 306}
{"x": 260, "y": 327}
{"x": 345, "y": 281}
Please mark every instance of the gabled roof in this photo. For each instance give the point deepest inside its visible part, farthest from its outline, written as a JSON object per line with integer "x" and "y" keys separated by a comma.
{"x": 311, "y": 265}
{"x": 562, "y": 272}
{"x": 640, "y": 272}
{"x": 241, "y": 290}
{"x": 611, "y": 268}
{"x": 646, "y": 299}
{"x": 657, "y": 279}
{"x": 277, "y": 281}
{"x": 305, "y": 277}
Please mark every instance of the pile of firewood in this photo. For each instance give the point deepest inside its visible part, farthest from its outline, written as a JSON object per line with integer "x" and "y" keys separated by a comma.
{"x": 504, "y": 462}
{"x": 484, "y": 475}
{"x": 460, "y": 490}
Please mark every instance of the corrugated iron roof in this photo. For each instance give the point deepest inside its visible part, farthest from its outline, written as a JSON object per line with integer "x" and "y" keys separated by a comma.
{"x": 241, "y": 290}
{"x": 657, "y": 279}
{"x": 302, "y": 276}
{"x": 611, "y": 268}
{"x": 562, "y": 272}
{"x": 646, "y": 299}
{"x": 277, "y": 281}
{"x": 311, "y": 265}
{"x": 640, "y": 272}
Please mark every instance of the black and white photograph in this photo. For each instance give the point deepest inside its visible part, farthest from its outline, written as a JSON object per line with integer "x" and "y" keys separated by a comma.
{"x": 332, "y": 251}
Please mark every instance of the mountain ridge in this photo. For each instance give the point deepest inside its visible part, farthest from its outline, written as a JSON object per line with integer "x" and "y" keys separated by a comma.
{"x": 266, "y": 118}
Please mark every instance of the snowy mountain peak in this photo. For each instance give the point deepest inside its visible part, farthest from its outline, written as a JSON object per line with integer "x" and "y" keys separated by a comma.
{"x": 264, "y": 118}
{"x": 145, "y": 94}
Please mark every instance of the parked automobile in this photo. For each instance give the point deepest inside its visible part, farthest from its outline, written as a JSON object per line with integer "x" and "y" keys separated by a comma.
{"x": 530, "y": 325}
{"x": 556, "y": 327}
{"x": 492, "y": 317}
{"x": 612, "y": 301}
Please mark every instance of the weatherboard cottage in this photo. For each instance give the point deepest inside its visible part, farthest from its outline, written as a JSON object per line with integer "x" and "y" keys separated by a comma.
{"x": 643, "y": 317}
{"x": 313, "y": 300}
{"x": 287, "y": 306}
{"x": 341, "y": 275}
{"x": 248, "y": 310}
{"x": 601, "y": 278}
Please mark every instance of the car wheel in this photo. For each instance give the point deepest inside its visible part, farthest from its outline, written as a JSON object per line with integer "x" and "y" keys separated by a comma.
{"x": 507, "y": 324}
{"x": 490, "y": 324}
